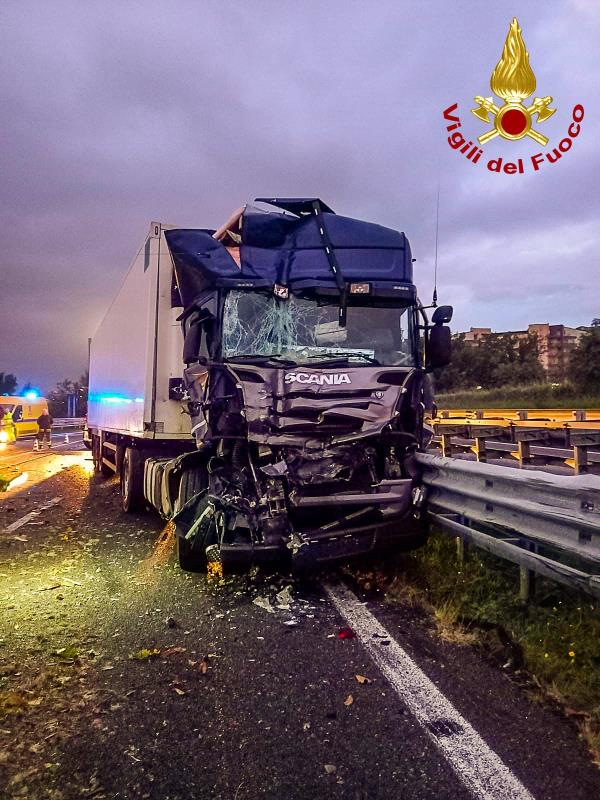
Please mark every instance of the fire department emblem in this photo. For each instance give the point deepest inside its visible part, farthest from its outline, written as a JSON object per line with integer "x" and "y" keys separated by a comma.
{"x": 513, "y": 80}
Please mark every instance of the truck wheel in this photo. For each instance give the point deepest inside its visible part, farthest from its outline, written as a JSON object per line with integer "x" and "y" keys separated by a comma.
{"x": 132, "y": 481}
{"x": 192, "y": 482}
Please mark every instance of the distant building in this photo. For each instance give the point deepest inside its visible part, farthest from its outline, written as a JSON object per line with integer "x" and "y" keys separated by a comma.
{"x": 555, "y": 342}
{"x": 476, "y": 334}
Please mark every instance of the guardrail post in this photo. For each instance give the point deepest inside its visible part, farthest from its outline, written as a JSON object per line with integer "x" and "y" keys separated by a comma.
{"x": 527, "y": 576}
{"x": 526, "y": 583}
{"x": 581, "y": 441}
{"x": 580, "y": 459}
{"x": 522, "y": 415}
{"x": 524, "y": 437}
{"x": 524, "y": 452}
{"x": 580, "y": 415}
{"x": 446, "y": 441}
{"x": 462, "y": 549}
{"x": 479, "y": 449}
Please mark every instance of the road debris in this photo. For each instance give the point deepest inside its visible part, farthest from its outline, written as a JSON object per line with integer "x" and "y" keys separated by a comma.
{"x": 349, "y": 700}
{"x": 203, "y": 666}
{"x": 362, "y": 679}
{"x": 265, "y": 603}
{"x": 144, "y": 653}
{"x": 284, "y": 598}
{"x": 346, "y": 633}
{"x": 68, "y": 653}
{"x": 27, "y": 519}
{"x": 171, "y": 651}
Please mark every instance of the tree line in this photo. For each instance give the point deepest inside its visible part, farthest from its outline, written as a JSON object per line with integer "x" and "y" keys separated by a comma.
{"x": 58, "y": 397}
{"x": 507, "y": 360}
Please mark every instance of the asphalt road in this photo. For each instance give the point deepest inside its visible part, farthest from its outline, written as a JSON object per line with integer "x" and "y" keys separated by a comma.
{"x": 122, "y": 677}
{"x": 21, "y": 452}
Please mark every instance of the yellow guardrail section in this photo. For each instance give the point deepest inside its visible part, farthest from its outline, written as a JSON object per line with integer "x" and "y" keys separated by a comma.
{"x": 551, "y": 418}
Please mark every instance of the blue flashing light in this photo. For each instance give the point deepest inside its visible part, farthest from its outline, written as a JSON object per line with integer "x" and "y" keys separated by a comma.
{"x": 33, "y": 395}
{"x": 113, "y": 399}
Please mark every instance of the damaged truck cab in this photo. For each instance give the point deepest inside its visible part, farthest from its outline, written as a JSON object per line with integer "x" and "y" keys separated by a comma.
{"x": 305, "y": 360}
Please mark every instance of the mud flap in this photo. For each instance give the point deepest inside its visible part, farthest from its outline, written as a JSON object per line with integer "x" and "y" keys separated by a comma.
{"x": 195, "y": 522}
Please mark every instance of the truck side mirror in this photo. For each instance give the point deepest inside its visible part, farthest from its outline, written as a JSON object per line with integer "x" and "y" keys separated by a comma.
{"x": 442, "y": 315}
{"x": 440, "y": 345}
{"x": 191, "y": 344}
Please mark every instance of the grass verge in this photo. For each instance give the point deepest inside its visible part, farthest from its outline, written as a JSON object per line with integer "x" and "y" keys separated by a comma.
{"x": 555, "y": 638}
{"x": 542, "y": 395}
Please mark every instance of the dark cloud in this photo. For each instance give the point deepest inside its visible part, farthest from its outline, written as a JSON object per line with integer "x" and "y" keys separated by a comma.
{"x": 118, "y": 113}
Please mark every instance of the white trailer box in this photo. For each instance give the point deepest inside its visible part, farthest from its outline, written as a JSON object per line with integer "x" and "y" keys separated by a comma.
{"x": 136, "y": 353}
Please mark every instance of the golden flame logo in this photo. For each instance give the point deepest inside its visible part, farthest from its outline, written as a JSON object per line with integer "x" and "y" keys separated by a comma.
{"x": 513, "y": 80}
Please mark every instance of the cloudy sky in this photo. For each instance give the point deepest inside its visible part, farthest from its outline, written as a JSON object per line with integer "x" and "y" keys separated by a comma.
{"x": 118, "y": 113}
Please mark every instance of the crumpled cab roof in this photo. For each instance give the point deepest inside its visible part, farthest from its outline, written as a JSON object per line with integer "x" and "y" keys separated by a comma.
{"x": 288, "y": 246}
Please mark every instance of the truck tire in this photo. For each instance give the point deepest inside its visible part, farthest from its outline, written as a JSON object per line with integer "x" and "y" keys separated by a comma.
{"x": 192, "y": 482}
{"x": 132, "y": 481}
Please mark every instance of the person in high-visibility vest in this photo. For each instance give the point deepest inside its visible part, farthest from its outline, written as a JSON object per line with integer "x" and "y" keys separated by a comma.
{"x": 9, "y": 426}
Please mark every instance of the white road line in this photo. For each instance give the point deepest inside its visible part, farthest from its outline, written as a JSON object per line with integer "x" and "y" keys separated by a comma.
{"x": 18, "y": 523}
{"x": 477, "y": 766}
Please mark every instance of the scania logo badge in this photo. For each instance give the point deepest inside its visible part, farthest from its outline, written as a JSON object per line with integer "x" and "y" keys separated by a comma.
{"x": 320, "y": 379}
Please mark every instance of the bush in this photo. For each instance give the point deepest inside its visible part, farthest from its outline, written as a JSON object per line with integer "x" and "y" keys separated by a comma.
{"x": 492, "y": 362}
{"x": 541, "y": 395}
{"x": 584, "y": 369}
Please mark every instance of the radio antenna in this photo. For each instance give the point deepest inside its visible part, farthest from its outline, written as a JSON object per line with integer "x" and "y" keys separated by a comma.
{"x": 437, "y": 231}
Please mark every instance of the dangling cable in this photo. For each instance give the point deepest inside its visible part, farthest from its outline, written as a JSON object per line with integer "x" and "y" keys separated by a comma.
{"x": 437, "y": 231}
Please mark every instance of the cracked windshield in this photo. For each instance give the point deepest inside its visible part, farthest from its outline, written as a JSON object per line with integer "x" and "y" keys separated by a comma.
{"x": 303, "y": 331}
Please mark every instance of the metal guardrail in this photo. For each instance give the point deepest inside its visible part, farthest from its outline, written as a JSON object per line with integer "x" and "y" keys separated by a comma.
{"x": 547, "y": 524}
{"x": 556, "y": 417}
{"x": 577, "y": 449}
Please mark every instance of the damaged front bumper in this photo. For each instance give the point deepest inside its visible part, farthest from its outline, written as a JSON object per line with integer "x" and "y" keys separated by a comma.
{"x": 388, "y": 516}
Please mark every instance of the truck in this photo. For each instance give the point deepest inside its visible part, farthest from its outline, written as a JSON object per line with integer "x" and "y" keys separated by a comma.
{"x": 263, "y": 386}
